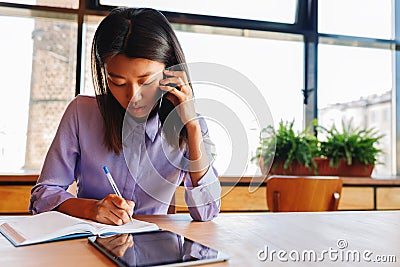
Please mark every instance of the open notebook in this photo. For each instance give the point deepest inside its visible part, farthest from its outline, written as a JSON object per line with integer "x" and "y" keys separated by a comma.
{"x": 53, "y": 225}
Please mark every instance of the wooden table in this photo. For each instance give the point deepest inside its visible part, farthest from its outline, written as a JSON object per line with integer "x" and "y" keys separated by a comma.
{"x": 15, "y": 193}
{"x": 244, "y": 236}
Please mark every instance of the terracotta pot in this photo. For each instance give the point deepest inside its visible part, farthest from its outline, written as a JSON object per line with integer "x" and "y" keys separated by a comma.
{"x": 298, "y": 169}
{"x": 356, "y": 169}
{"x": 294, "y": 169}
{"x": 344, "y": 170}
{"x": 324, "y": 169}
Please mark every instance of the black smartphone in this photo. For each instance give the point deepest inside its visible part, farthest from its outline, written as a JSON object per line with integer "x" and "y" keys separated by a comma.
{"x": 170, "y": 84}
{"x": 165, "y": 105}
{"x": 166, "y": 109}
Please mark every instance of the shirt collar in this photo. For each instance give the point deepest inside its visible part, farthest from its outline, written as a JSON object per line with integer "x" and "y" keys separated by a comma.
{"x": 151, "y": 126}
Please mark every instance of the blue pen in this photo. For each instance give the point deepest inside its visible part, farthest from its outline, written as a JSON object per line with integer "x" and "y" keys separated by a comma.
{"x": 113, "y": 185}
{"x": 111, "y": 180}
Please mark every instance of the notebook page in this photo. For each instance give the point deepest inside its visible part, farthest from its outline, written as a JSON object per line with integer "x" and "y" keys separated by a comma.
{"x": 47, "y": 225}
{"x": 129, "y": 227}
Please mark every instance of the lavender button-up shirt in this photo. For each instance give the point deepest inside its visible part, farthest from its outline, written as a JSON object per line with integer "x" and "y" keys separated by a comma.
{"x": 147, "y": 171}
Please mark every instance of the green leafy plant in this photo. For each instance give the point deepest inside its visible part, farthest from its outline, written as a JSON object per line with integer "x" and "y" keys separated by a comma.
{"x": 352, "y": 144}
{"x": 285, "y": 146}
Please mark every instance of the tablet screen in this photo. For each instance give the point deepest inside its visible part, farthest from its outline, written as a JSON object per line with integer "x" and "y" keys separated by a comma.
{"x": 155, "y": 249}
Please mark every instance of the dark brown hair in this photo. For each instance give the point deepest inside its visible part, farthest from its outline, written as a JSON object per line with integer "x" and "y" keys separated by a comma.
{"x": 135, "y": 33}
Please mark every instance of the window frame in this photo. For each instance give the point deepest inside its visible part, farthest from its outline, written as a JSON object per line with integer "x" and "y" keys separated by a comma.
{"x": 306, "y": 24}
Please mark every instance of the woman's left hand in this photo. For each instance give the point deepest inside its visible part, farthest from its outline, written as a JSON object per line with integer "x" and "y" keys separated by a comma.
{"x": 181, "y": 95}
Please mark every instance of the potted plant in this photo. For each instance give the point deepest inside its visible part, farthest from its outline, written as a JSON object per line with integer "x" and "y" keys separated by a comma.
{"x": 349, "y": 152}
{"x": 353, "y": 150}
{"x": 288, "y": 151}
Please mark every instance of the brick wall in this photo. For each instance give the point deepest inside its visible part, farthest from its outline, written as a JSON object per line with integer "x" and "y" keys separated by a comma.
{"x": 52, "y": 83}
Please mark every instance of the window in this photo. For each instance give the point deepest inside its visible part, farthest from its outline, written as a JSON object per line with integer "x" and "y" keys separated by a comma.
{"x": 267, "y": 10}
{"x": 363, "y": 18}
{"x": 385, "y": 115}
{"x": 267, "y": 63}
{"x": 263, "y": 40}
{"x": 354, "y": 83}
{"x": 38, "y": 72}
{"x": 57, "y": 3}
{"x": 91, "y": 23}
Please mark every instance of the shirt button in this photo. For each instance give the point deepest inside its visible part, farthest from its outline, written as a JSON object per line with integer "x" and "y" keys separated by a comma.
{"x": 203, "y": 252}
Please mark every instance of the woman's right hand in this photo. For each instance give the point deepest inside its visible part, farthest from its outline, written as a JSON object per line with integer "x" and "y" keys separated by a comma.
{"x": 113, "y": 210}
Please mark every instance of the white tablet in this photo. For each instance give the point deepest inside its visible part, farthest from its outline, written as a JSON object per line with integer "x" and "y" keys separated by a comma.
{"x": 156, "y": 248}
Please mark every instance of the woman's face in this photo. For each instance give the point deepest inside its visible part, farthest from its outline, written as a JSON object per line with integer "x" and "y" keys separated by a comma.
{"x": 134, "y": 82}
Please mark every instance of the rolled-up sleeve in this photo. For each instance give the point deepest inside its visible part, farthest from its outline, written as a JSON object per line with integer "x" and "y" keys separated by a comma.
{"x": 58, "y": 170}
{"x": 203, "y": 200}
{"x": 45, "y": 197}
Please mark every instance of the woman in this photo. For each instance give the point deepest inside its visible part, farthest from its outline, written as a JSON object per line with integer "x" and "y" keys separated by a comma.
{"x": 142, "y": 125}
